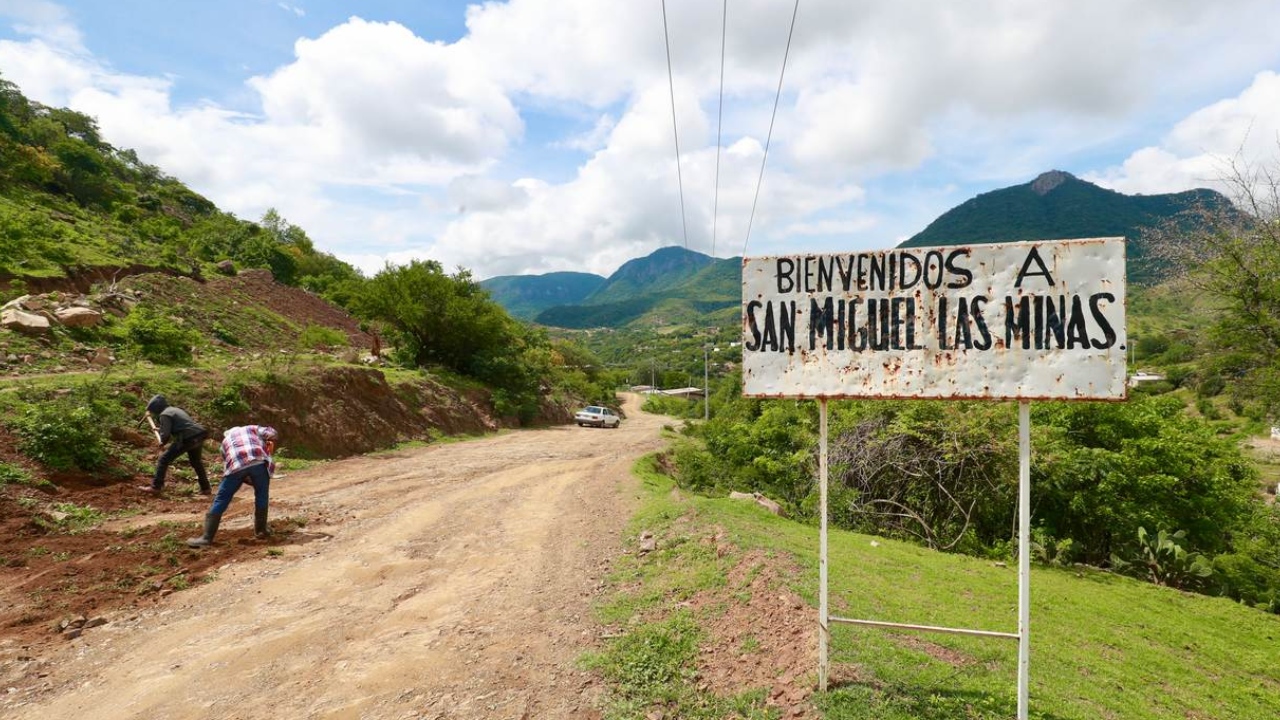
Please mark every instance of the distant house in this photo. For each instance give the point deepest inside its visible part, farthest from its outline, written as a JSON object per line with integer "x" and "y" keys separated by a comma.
{"x": 685, "y": 392}
{"x": 1142, "y": 376}
{"x": 645, "y": 389}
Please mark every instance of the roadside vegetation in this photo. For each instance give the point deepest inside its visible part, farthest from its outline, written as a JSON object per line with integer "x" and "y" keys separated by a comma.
{"x": 1103, "y": 645}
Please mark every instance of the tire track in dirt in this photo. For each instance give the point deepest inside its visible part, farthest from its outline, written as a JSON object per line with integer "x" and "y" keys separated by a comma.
{"x": 453, "y": 581}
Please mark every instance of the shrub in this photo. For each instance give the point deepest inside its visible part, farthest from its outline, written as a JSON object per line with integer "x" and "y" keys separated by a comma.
{"x": 1242, "y": 578}
{"x": 158, "y": 338}
{"x": 63, "y": 436}
{"x": 1162, "y": 559}
{"x": 319, "y": 337}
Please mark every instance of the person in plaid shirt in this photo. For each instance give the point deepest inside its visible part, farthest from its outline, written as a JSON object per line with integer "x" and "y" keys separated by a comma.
{"x": 246, "y": 459}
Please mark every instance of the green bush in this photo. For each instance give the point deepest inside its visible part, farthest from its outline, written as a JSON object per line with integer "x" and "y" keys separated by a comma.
{"x": 158, "y": 338}
{"x": 1162, "y": 559}
{"x": 63, "y": 436}
{"x": 319, "y": 337}
{"x": 1242, "y": 578}
{"x": 230, "y": 401}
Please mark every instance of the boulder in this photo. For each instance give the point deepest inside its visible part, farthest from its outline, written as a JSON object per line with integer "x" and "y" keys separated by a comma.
{"x": 17, "y": 302}
{"x": 101, "y": 358}
{"x": 15, "y": 319}
{"x": 226, "y": 267}
{"x": 78, "y": 316}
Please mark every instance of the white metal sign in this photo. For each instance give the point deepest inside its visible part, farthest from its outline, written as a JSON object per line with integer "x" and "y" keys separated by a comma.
{"x": 1033, "y": 320}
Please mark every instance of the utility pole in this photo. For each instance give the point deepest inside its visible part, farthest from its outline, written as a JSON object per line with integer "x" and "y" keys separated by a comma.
{"x": 706, "y": 387}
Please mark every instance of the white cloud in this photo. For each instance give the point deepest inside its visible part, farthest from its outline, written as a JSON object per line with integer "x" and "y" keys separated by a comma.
{"x": 1199, "y": 149}
{"x": 384, "y": 145}
{"x": 45, "y": 21}
{"x": 299, "y": 12}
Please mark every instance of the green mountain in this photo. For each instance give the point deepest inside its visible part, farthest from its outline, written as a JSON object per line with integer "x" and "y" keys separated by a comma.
{"x": 670, "y": 286}
{"x": 661, "y": 270}
{"x": 524, "y": 296}
{"x": 1059, "y": 205}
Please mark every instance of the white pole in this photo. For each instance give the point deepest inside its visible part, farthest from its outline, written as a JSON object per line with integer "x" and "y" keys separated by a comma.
{"x": 822, "y": 554}
{"x": 706, "y": 387}
{"x": 1024, "y": 556}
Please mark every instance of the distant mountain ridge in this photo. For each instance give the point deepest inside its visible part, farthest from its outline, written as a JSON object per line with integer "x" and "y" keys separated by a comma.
{"x": 670, "y": 286}
{"x": 524, "y": 296}
{"x": 674, "y": 284}
{"x": 1058, "y": 205}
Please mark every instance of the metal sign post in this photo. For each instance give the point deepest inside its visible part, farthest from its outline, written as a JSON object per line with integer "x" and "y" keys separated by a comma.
{"x": 1024, "y": 556}
{"x": 1005, "y": 321}
{"x": 823, "y": 628}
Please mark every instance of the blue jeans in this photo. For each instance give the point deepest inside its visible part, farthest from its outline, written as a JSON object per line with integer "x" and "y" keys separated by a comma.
{"x": 255, "y": 475}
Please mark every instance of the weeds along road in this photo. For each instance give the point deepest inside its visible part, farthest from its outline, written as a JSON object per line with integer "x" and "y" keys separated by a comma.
{"x": 453, "y": 581}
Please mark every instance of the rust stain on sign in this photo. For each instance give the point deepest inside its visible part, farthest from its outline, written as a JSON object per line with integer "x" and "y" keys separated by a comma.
{"x": 1035, "y": 320}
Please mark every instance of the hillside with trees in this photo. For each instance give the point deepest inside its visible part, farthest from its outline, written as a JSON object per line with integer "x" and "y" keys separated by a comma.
{"x": 1058, "y": 205}
{"x": 524, "y": 296}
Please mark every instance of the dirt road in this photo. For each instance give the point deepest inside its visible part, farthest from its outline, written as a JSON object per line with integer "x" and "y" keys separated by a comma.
{"x": 452, "y": 581}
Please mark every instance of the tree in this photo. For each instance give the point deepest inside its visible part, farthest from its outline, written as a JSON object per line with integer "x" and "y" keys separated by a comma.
{"x": 1232, "y": 254}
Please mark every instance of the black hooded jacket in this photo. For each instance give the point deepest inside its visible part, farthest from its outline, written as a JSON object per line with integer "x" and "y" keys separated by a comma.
{"x": 174, "y": 422}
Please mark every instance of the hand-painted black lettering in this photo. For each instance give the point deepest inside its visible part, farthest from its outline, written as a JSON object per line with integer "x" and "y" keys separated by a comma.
{"x": 935, "y": 269}
{"x": 1099, "y": 317}
{"x": 845, "y": 272}
{"x": 963, "y": 276}
{"x": 857, "y": 332}
{"x": 821, "y": 318}
{"x": 769, "y": 340}
{"x": 1055, "y": 326}
{"x": 1033, "y": 256}
{"x": 784, "y": 272}
{"x": 878, "y": 263}
{"x": 753, "y": 344}
{"x": 1017, "y": 324}
{"x": 980, "y": 322}
{"x": 1077, "y": 330}
{"x": 787, "y": 326}
{"x": 942, "y": 323}
{"x": 907, "y": 279}
{"x": 826, "y": 272}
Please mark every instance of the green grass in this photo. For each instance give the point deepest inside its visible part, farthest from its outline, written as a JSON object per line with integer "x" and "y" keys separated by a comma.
{"x": 1103, "y": 646}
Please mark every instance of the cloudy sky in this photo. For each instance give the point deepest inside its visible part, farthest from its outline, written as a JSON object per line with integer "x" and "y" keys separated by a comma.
{"x": 536, "y": 135}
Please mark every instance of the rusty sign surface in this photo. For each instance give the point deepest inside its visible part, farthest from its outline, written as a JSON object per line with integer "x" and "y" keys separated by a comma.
{"x": 1029, "y": 320}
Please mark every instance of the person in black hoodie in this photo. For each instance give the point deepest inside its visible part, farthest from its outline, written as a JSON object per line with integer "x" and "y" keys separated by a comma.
{"x": 173, "y": 425}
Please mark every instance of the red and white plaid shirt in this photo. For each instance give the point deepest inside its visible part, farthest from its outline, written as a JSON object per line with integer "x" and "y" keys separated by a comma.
{"x": 245, "y": 446}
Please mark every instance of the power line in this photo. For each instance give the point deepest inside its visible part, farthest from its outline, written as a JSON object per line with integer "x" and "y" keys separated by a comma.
{"x": 769, "y": 137}
{"x": 671, "y": 83}
{"x": 715, "y": 208}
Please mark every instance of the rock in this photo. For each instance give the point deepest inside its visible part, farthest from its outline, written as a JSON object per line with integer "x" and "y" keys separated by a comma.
{"x": 73, "y": 633}
{"x": 769, "y": 505}
{"x": 648, "y": 543}
{"x": 95, "y": 622}
{"x": 21, "y": 321}
{"x": 226, "y": 267}
{"x": 16, "y": 303}
{"x": 78, "y": 316}
{"x": 735, "y": 495}
{"x": 101, "y": 358}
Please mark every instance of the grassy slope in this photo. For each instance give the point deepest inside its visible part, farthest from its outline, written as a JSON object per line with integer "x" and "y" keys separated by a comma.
{"x": 1102, "y": 646}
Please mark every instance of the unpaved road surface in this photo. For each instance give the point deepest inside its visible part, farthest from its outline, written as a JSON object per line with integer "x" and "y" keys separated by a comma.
{"x": 451, "y": 581}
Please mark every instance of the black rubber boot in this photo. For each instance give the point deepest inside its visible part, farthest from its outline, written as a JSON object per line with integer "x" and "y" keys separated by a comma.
{"x": 260, "y": 526}
{"x": 211, "y": 521}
